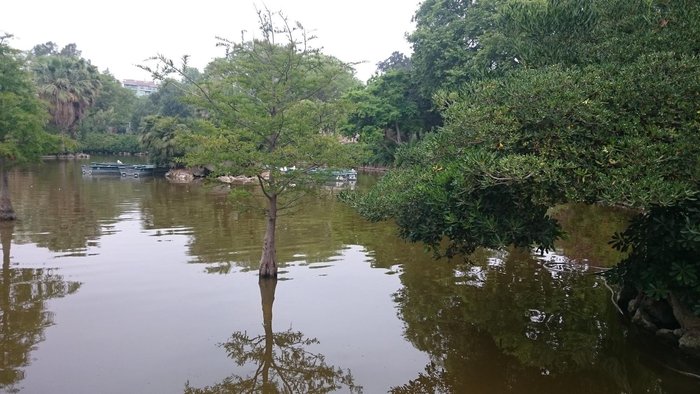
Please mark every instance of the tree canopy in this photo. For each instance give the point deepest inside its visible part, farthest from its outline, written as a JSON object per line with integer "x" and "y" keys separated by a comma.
{"x": 269, "y": 105}
{"x": 548, "y": 102}
{"x": 22, "y": 115}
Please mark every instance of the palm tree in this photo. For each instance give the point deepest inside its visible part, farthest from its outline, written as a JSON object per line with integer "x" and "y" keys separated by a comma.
{"x": 70, "y": 85}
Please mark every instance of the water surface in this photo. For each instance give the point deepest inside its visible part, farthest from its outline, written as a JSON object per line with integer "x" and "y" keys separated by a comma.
{"x": 116, "y": 285}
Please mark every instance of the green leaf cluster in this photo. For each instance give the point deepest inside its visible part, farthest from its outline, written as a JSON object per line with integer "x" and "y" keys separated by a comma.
{"x": 663, "y": 246}
{"x": 271, "y": 103}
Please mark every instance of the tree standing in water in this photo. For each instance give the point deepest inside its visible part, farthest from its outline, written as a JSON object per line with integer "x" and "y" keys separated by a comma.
{"x": 22, "y": 135}
{"x": 268, "y": 105}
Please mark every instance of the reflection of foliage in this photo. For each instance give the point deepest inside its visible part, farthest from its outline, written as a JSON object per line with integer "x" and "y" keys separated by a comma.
{"x": 508, "y": 323}
{"x": 431, "y": 382}
{"x": 224, "y": 233}
{"x": 283, "y": 362}
{"x": 61, "y": 211}
{"x": 291, "y": 370}
{"x": 591, "y": 226}
{"x": 23, "y": 314}
{"x": 24, "y": 317}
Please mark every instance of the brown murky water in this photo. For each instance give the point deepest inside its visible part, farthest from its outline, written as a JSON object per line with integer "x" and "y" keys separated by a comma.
{"x": 114, "y": 285}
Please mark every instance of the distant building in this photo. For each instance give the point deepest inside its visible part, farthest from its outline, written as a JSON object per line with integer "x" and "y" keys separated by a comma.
{"x": 141, "y": 88}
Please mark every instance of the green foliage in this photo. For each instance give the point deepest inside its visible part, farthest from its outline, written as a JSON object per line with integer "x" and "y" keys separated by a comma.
{"x": 456, "y": 42}
{"x": 447, "y": 37}
{"x": 70, "y": 85}
{"x": 396, "y": 62}
{"x": 170, "y": 100}
{"x": 454, "y": 207}
{"x": 605, "y": 125}
{"x": 270, "y": 103}
{"x": 161, "y": 136}
{"x": 663, "y": 245}
{"x": 547, "y": 102}
{"x": 113, "y": 108}
{"x": 22, "y": 115}
{"x": 387, "y": 113}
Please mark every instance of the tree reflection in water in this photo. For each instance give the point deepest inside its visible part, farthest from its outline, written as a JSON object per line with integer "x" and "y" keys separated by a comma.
{"x": 282, "y": 363}
{"x": 23, "y": 315}
{"x": 511, "y": 323}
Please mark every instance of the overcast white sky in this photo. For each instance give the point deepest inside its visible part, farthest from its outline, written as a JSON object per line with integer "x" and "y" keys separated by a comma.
{"x": 119, "y": 34}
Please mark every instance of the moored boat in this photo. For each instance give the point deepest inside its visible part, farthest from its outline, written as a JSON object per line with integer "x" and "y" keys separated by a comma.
{"x": 121, "y": 169}
{"x": 105, "y": 168}
{"x": 139, "y": 170}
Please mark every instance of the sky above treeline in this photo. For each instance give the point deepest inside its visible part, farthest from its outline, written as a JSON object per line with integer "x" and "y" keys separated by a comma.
{"x": 118, "y": 35}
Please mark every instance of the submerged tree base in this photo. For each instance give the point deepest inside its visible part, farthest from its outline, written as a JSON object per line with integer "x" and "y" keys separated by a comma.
{"x": 7, "y": 217}
{"x": 7, "y": 214}
{"x": 268, "y": 270}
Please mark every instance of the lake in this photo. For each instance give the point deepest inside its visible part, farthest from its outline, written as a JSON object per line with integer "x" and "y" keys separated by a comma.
{"x": 123, "y": 285}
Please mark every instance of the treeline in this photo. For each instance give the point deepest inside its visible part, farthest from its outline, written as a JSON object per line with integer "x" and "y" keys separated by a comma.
{"x": 89, "y": 110}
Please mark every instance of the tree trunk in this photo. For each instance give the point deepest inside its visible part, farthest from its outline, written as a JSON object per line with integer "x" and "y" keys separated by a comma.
{"x": 6, "y": 210}
{"x": 268, "y": 260}
{"x": 267, "y": 294}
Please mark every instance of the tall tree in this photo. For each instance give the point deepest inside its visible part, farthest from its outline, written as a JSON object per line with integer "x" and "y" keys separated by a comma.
{"x": 448, "y": 35}
{"x": 22, "y": 116}
{"x": 270, "y": 102}
{"x": 390, "y": 111}
{"x": 70, "y": 85}
{"x": 385, "y": 114}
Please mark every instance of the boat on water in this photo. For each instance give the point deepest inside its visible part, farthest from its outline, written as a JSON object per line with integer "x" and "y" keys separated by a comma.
{"x": 121, "y": 169}
{"x": 139, "y": 170}
{"x": 105, "y": 168}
